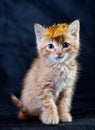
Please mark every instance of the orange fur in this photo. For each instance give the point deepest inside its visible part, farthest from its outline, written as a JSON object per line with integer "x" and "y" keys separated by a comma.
{"x": 49, "y": 83}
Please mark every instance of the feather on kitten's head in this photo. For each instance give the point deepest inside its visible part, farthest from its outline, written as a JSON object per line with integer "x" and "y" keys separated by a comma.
{"x": 61, "y": 48}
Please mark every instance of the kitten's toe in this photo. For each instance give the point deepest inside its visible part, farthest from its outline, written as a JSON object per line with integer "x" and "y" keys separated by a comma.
{"x": 22, "y": 116}
{"x": 50, "y": 118}
{"x": 66, "y": 117}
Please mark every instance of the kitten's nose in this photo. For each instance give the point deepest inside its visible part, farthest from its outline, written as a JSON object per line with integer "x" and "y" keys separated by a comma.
{"x": 59, "y": 54}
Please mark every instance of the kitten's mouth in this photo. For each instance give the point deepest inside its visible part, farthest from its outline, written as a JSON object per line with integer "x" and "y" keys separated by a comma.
{"x": 59, "y": 57}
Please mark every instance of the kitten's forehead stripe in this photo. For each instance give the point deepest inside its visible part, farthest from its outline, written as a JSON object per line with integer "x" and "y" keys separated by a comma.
{"x": 59, "y": 39}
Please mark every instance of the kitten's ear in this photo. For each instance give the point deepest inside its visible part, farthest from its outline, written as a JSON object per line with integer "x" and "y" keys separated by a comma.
{"x": 74, "y": 28}
{"x": 39, "y": 29}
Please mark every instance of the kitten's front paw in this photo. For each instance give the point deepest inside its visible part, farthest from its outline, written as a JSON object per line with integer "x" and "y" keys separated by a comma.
{"x": 66, "y": 117}
{"x": 50, "y": 118}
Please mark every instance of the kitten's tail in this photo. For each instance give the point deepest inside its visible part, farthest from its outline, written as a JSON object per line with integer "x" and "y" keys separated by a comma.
{"x": 16, "y": 101}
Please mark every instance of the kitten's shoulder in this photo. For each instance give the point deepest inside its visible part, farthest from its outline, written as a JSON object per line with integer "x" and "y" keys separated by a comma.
{"x": 35, "y": 63}
{"x": 72, "y": 64}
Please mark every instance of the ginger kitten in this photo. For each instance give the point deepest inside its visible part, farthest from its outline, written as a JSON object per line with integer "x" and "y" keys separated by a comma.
{"x": 49, "y": 83}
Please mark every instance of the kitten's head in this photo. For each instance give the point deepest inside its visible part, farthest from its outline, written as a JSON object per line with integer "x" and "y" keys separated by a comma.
{"x": 61, "y": 48}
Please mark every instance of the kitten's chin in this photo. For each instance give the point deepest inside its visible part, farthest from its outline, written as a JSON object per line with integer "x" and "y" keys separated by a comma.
{"x": 58, "y": 60}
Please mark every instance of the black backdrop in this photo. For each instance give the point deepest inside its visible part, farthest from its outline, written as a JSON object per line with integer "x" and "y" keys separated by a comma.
{"x": 18, "y": 48}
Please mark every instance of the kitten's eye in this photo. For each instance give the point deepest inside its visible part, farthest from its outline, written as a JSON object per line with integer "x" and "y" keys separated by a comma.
{"x": 50, "y": 46}
{"x": 65, "y": 45}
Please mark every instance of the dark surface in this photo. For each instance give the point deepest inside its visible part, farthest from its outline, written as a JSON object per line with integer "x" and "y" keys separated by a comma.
{"x": 83, "y": 121}
{"x": 18, "y": 49}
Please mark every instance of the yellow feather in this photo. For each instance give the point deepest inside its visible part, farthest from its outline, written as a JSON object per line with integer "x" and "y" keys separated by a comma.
{"x": 55, "y": 30}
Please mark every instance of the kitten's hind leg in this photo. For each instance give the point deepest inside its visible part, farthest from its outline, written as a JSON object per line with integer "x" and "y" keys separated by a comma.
{"x": 22, "y": 115}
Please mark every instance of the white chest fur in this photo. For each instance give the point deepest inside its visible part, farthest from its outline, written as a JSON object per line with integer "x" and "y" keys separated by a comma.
{"x": 59, "y": 86}
{"x": 62, "y": 81}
